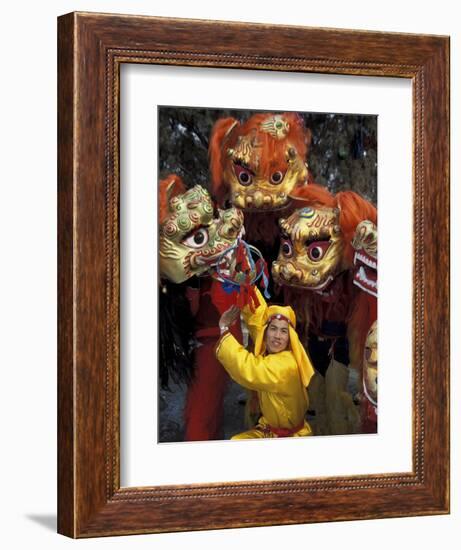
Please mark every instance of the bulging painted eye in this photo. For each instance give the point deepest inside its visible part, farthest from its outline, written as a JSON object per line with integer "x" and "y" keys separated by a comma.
{"x": 197, "y": 239}
{"x": 244, "y": 176}
{"x": 286, "y": 247}
{"x": 317, "y": 250}
{"x": 277, "y": 177}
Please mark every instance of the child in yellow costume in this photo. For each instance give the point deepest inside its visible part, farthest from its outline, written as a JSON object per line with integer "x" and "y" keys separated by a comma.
{"x": 279, "y": 369}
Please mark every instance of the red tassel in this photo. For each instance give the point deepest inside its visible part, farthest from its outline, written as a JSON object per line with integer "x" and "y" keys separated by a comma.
{"x": 246, "y": 294}
{"x": 242, "y": 258}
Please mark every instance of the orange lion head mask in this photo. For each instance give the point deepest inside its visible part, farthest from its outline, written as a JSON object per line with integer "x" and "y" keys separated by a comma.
{"x": 257, "y": 165}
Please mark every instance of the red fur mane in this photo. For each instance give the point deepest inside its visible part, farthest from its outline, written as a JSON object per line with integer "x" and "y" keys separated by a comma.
{"x": 217, "y": 156}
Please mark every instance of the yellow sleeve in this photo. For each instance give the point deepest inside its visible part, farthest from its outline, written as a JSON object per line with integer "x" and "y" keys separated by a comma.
{"x": 255, "y": 320}
{"x": 273, "y": 373}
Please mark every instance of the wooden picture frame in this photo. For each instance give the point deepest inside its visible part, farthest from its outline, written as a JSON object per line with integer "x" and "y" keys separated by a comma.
{"x": 92, "y": 48}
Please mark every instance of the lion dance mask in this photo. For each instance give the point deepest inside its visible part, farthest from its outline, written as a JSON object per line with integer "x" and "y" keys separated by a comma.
{"x": 192, "y": 234}
{"x": 316, "y": 241}
{"x": 256, "y": 165}
{"x": 365, "y": 244}
{"x": 311, "y": 249}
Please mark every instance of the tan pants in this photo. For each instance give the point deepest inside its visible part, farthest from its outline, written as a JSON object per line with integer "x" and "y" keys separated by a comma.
{"x": 335, "y": 411}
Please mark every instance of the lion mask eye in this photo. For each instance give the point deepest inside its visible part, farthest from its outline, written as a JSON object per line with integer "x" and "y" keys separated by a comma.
{"x": 277, "y": 177}
{"x": 317, "y": 250}
{"x": 286, "y": 247}
{"x": 244, "y": 175}
{"x": 197, "y": 239}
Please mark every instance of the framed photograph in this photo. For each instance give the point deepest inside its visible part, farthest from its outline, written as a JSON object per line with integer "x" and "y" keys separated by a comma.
{"x": 218, "y": 194}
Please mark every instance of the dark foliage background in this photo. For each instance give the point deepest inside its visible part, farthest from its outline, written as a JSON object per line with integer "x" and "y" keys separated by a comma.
{"x": 343, "y": 152}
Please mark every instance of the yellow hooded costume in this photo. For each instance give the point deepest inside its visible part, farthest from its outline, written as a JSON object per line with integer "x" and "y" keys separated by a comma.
{"x": 280, "y": 379}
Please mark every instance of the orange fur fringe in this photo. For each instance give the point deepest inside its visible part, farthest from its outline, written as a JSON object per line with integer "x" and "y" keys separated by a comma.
{"x": 177, "y": 188}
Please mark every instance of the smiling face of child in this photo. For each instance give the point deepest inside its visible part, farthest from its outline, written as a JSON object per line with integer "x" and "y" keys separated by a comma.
{"x": 277, "y": 336}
